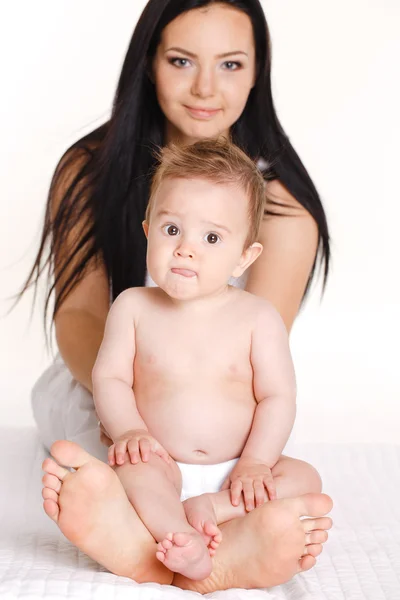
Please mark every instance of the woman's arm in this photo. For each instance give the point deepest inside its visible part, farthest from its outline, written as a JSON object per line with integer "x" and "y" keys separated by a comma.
{"x": 81, "y": 318}
{"x": 80, "y": 325}
{"x": 290, "y": 244}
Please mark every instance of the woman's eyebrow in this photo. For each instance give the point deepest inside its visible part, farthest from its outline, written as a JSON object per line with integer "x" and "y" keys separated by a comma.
{"x": 223, "y": 55}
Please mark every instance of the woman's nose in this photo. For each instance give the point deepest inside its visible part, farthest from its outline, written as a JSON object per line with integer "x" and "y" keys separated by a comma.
{"x": 204, "y": 84}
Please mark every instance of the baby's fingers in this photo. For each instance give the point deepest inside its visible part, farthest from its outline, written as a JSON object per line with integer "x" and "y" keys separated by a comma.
{"x": 248, "y": 493}
{"x": 260, "y": 493}
{"x": 133, "y": 450}
{"x": 120, "y": 451}
{"x": 236, "y": 491}
{"x": 111, "y": 455}
{"x": 160, "y": 451}
{"x": 144, "y": 447}
{"x": 269, "y": 484}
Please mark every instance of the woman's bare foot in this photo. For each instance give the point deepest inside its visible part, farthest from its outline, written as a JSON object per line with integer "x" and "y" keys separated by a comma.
{"x": 265, "y": 548}
{"x": 185, "y": 553}
{"x": 268, "y": 546}
{"x": 200, "y": 513}
{"x": 92, "y": 510}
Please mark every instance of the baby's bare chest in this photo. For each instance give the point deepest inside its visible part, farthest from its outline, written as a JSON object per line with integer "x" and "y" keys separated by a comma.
{"x": 175, "y": 348}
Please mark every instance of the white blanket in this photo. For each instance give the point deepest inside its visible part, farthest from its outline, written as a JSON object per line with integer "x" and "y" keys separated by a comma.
{"x": 361, "y": 560}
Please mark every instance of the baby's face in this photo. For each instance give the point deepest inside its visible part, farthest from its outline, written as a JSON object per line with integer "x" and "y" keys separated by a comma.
{"x": 196, "y": 237}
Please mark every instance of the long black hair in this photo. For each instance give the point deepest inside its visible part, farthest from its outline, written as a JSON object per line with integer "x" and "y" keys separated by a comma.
{"x": 108, "y": 194}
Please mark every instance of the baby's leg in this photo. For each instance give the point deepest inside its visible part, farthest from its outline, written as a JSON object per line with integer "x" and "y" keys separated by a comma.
{"x": 153, "y": 489}
{"x": 212, "y": 509}
{"x": 292, "y": 477}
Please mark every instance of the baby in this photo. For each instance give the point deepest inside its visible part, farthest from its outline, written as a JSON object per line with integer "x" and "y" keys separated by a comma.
{"x": 194, "y": 381}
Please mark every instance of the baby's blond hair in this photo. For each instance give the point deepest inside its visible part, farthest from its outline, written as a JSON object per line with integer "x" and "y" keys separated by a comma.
{"x": 220, "y": 162}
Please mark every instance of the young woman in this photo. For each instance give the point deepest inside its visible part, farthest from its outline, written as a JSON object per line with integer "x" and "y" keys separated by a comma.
{"x": 194, "y": 69}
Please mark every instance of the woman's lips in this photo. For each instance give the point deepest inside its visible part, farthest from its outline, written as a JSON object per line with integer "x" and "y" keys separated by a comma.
{"x": 202, "y": 113}
{"x": 184, "y": 272}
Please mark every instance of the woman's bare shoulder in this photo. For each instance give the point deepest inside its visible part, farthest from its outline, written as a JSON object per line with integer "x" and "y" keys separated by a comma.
{"x": 259, "y": 308}
{"x": 278, "y": 194}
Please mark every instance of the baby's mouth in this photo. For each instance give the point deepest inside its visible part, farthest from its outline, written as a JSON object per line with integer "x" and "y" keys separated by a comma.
{"x": 184, "y": 272}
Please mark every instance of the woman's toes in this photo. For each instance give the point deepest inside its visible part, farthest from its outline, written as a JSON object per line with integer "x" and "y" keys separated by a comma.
{"x": 52, "y": 468}
{"x": 306, "y": 563}
{"x": 48, "y": 494}
{"x": 321, "y": 523}
{"x": 52, "y": 482}
{"x": 313, "y": 550}
{"x": 314, "y": 505}
{"x": 51, "y": 509}
{"x": 316, "y": 537}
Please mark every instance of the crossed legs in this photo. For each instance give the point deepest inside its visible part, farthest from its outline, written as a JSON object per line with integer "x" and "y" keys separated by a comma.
{"x": 92, "y": 510}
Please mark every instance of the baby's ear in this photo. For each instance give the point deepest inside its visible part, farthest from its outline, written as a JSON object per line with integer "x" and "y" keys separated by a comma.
{"x": 145, "y": 226}
{"x": 248, "y": 257}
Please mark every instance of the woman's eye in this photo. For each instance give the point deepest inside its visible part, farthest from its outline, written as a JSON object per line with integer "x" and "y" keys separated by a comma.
{"x": 171, "y": 229}
{"x": 179, "y": 62}
{"x": 231, "y": 65}
{"x": 212, "y": 238}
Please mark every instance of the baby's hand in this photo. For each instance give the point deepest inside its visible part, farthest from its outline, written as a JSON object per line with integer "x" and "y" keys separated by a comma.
{"x": 250, "y": 477}
{"x": 138, "y": 443}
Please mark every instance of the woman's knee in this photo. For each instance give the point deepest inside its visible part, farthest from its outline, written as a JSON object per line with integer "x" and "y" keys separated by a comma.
{"x": 301, "y": 471}
{"x": 313, "y": 477}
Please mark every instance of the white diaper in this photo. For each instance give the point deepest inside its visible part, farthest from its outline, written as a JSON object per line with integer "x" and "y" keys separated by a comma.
{"x": 199, "y": 479}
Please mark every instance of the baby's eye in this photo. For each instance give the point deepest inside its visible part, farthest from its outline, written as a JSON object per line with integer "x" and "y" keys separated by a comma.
{"x": 171, "y": 229}
{"x": 212, "y": 238}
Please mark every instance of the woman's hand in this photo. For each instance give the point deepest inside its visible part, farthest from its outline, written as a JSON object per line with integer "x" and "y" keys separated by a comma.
{"x": 138, "y": 444}
{"x": 251, "y": 477}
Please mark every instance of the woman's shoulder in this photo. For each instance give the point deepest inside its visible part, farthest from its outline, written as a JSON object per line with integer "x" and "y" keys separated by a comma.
{"x": 80, "y": 153}
{"x": 73, "y": 167}
{"x": 277, "y": 193}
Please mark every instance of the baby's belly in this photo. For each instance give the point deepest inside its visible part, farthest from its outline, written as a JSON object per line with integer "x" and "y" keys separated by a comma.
{"x": 199, "y": 425}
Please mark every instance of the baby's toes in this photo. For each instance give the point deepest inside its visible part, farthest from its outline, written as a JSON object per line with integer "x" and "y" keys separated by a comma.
{"x": 213, "y": 531}
{"x": 166, "y": 543}
{"x": 161, "y": 555}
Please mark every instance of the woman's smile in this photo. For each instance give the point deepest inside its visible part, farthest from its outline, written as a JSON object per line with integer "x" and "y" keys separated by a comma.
{"x": 202, "y": 113}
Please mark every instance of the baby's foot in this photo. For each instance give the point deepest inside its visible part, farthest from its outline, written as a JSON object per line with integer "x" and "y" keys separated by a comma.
{"x": 201, "y": 515}
{"x": 185, "y": 553}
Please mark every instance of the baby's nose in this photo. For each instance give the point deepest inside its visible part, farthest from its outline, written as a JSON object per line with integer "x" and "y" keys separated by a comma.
{"x": 184, "y": 251}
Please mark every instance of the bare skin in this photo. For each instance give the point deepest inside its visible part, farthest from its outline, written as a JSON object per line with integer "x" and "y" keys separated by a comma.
{"x": 182, "y": 547}
{"x": 225, "y": 389}
{"x": 92, "y": 510}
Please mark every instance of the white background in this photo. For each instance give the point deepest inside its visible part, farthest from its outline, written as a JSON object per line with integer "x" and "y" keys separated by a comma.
{"x": 335, "y": 74}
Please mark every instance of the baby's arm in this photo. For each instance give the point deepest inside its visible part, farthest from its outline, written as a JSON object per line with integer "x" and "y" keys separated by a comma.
{"x": 274, "y": 388}
{"x": 112, "y": 374}
{"x": 275, "y": 391}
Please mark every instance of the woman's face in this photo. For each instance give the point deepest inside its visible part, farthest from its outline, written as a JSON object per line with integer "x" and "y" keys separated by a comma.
{"x": 203, "y": 71}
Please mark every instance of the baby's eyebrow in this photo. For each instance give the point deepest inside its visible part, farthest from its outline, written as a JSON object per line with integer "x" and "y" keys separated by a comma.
{"x": 217, "y": 226}
{"x": 166, "y": 213}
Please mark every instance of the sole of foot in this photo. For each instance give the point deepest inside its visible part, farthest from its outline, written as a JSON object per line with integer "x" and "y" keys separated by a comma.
{"x": 92, "y": 510}
{"x": 268, "y": 546}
